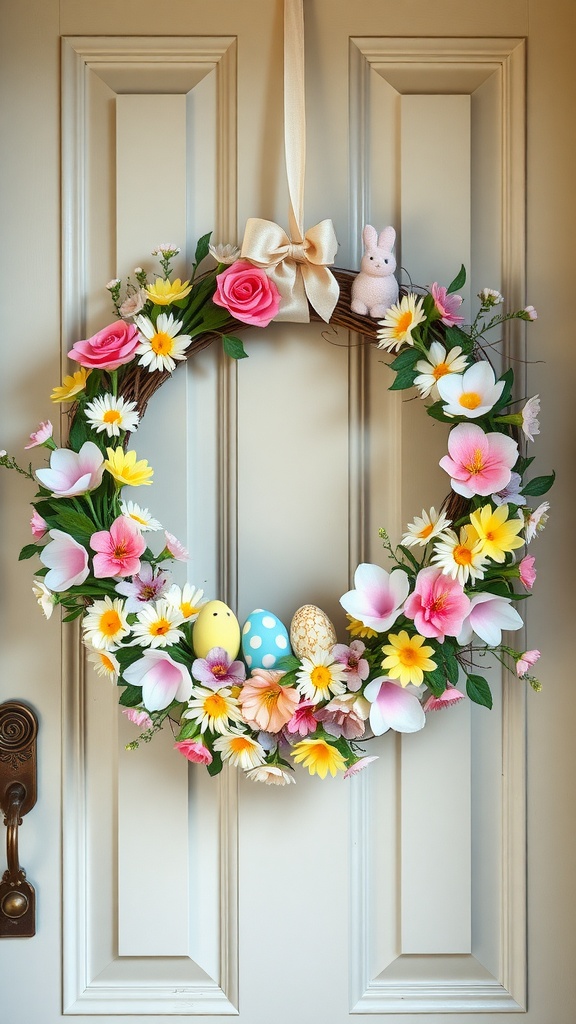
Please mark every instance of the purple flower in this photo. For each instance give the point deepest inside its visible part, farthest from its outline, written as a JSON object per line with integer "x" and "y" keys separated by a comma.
{"x": 357, "y": 668}
{"x": 510, "y": 495}
{"x": 147, "y": 585}
{"x": 217, "y": 670}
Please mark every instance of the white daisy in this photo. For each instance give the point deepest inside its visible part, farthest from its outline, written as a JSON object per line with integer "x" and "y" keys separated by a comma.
{"x": 106, "y": 664}
{"x": 240, "y": 750}
{"x": 438, "y": 364}
{"x": 472, "y": 393}
{"x": 157, "y": 625}
{"x": 320, "y": 676}
{"x": 188, "y": 600}
{"x": 224, "y": 253}
{"x": 460, "y": 556}
{"x": 425, "y": 527}
{"x": 271, "y": 774}
{"x": 105, "y": 412}
{"x": 105, "y": 624}
{"x": 141, "y": 516}
{"x": 400, "y": 320}
{"x": 160, "y": 345}
{"x": 214, "y": 710}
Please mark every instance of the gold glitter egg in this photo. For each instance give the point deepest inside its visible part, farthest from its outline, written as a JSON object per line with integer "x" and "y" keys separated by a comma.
{"x": 311, "y": 630}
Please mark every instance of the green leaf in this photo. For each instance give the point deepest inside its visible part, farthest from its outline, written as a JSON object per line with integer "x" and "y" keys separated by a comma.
{"x": 188, "y": 731}
{"x": 506, "y": 396}
{"x": 202, "y": 248}
{"x": 216, "y": 766}
{"x": 28, "y": 551}
{"x": 455, "y": 336}
{"x": 288, "y": 663}
{"x": 403, "y": 380}
{"x": 539, "y": 485}
{"x": 523, "y": 464}
{"x": 289, "y": 679}
{"x": 79, "y": 431}
{"x": 451, "y": 663}
{"x": 478, "y": 690}
{"x": 436, "y": 680}
{"x": 458, "y": 282}
{"x": 436, "y": 411}
{"x": 406, "y": 360}
{"x": 76, "y": 523}
{"x": 233, "y": 347}
{"x": 74, "y": 614}
{"x": 408, "y": 554}
{"x": 131, "y": 696}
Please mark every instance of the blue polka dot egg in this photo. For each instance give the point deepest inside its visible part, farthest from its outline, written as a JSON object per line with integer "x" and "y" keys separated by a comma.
{"x": 264, "y": 640}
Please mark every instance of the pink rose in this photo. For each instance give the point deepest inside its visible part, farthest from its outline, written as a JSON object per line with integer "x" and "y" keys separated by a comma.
{"x": 112, "y": 347}
{"x": 247, "y": 293}
{"x": 194, "y": 750}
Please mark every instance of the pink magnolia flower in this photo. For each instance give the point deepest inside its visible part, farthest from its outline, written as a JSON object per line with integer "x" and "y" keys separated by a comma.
{"x": 38, "y": 526}
{"x": 41, "y": 435}
{"x": 357, "y": 668}
{"x": 110, "y": 348}
{"x": 479, "y": 463}
{"x": 162, "y": 679}
{"x": 147, "y": 585}
{"x": 393, "y": 707}
{"x": 67, "y": 562}
{"x": 194, "y": 750}
{"x": 438, "y": 604}
{"x": 138, "y": 717}
{"x": 73, "y": 473}
{"x": 525, "y": 661}
{"x": 175, "y": 548}
{"x": 527, "y": 572}
{"x": 488, "y": 616}
{"x": 447, "y": 699}
{"x": 378, "y": 596}
{"x": 358, "y": 766}
{"x": 303, "y": 720}
{"x": 247, "y": 293}
{"x": 447, "y": 305}
{"x": 118, "y": 549}
{"x": 217, "y": 669}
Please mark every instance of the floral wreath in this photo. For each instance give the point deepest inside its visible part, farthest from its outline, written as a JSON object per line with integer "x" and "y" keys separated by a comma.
{"x": 261, "y": 697}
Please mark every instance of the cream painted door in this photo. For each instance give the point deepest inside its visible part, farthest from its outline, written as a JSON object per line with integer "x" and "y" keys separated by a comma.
{"x": 410, "y": 892}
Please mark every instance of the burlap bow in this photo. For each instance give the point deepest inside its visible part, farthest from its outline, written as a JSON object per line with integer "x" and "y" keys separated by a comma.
{"x": 298, "y": 269}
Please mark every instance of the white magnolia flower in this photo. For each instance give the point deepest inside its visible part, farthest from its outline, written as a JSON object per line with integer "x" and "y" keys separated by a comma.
{"x": 162, "y": 344}
{"x": 472, "y": 393}
{"x": 105, "y": 412}
{"x": 438, "y": 364}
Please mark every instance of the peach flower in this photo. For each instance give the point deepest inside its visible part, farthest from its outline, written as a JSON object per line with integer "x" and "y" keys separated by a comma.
{"x": 266, "y": 704}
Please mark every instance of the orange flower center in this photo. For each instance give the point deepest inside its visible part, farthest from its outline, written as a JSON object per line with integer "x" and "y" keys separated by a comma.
{"x": 162, "y": 343}
{"x": 160, "y": 628}
{"x": 404, "y": 323}
{"x": 462, "y": 555}
{"x": 470, "y": 399}
{"x": 239, "y": 744}
{"x": 111, "y": 416}
{"x": 320, "y": 676}
{"x": 440, "y": 370}
{"x": 110, "y": 623}
{"x": 215, "y": 705}
{"x": 426, "y": 530}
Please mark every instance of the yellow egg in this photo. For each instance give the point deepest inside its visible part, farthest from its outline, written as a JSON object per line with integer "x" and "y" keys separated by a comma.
{"x": 216, "y": 626}
{"x": 311, "y": 630}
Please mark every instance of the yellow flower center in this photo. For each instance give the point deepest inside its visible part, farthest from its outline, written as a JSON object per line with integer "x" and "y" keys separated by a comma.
{"x": 320, "y": 676}
{"x": 239, "y": 744}
{"x": 426, "y": 530}
{"x": 138, "y": 519}
{"x": 470, "y": 399}
{"x": 110, "y": 623}
{"x": 477, "y": 463}
{"x": 111, "y": 416}
{"x": 120, "y": 551}
{"x": 160, "y": 627}
{"x": 407, "y": 656}
{"x": 162, "y": 344}
{"x": 462, "y": 555}
{"x": 107, "y": 663}
{"x": 215, "y": 706}
{"x": 188, "y": 609}
{"x": 403, "y": 323}
{"x": 440, "y": 370}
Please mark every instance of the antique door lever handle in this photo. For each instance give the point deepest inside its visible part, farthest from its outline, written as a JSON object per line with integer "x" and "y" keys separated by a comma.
{"x": 18, "y": 729}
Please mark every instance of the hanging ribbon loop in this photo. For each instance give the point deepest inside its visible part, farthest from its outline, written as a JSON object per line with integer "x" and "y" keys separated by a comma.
{"x": 298, "y": 264}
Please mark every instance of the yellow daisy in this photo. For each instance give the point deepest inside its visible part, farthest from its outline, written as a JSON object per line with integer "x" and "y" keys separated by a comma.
{"x": 396, "y": 328}
{"x": 357, "y": 628}
{"x": 71, "y": 386}
{"x": 407, "y": 659}
{"x": 126, "y": 470}
{"x": 497, "y": 533}
{"x": 163, "y": 292}
{"x": 319, "y": 757}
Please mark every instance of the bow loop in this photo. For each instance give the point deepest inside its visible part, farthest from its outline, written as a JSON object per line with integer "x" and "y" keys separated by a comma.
{"x": 297, "y": 267}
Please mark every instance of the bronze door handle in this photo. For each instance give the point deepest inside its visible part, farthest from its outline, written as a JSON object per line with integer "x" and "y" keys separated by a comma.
{"x": 18, "y": 729}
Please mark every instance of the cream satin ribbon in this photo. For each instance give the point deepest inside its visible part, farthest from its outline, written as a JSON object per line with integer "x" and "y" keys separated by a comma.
{"x": 297, "y": 263}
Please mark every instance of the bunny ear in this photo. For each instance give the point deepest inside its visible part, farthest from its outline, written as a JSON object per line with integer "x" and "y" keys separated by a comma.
{"x": 387, "y": 238}
{"x": 370, "y": 236}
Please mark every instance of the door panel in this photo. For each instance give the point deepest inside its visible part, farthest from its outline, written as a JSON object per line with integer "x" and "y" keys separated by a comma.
{"x": 400, "y": 894}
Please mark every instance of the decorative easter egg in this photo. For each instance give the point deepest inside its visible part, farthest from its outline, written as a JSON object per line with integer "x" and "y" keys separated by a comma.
{"x": 311, "y": 629}
{"x": 264, "y": 640}
{"x": 216, "y": 626}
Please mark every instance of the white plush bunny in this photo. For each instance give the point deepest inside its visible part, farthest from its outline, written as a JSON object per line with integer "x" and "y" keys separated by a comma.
{"x": 375, "y": 288}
